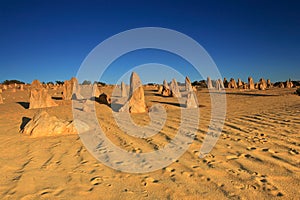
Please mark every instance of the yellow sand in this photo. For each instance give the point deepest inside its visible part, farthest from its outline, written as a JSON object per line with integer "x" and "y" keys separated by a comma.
{"x": 256, "y": 157}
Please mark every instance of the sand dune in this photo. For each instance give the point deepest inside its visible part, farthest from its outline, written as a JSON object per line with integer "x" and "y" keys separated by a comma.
{"x": 256, "y": 157}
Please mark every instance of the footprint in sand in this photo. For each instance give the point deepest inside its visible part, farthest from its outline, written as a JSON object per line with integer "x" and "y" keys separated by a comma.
{"x": 45, "y": 191}
{"x": 251, "y": 148}
{"x": 293, "y": 151}
{"x": 232, "y": 157}
{"x": 267, "y": 186}
{"x": 169, "y": 169}
{"x": 204, "y": 178}
{"x": 188, "y": 174}
{"x": 96, "y": 180}
{"x": 57, "y": 192}
{"x": 151, "y": 180}
{"x": 195, "y": 152}
{"x": 145, "y": 193}
{"x": 147, "y": 180}
{"x": 232, "y": 171}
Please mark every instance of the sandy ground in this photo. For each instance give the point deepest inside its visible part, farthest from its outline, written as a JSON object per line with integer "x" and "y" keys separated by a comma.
{"x": 256, "y": 157}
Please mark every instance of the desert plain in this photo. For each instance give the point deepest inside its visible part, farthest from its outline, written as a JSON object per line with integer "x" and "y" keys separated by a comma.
{"x": 256, "y": 156}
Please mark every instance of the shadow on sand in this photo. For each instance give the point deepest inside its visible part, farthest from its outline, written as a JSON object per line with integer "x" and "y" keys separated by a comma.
{"x": 251, "y": 94}
{"x": 24, "y": 104}
{"x": 25, "y": 120}
{"x": 174, "y": 104}
{"x": 57, "y": 98}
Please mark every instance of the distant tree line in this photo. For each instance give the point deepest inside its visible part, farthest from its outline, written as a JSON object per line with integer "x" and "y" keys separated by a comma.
{"x": 100, "y": 83}
{"x": 87, "y": 82}
{"x": 59, "y": 82}
{"x": 201, "y": 83}
{"x": 8, "y": 82}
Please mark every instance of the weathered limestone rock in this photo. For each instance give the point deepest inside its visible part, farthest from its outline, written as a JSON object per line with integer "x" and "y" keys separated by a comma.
{"x": 191, "y": 101}
{"x": 36, "y": 84}
{"x": 269, "y": 84}
{"x": 42, "y": 124}
{"x": 245, "y": 86}
{"x": 194, "y": 88}
{"x": 70, "y": 87}
{"x": 289, "y": 84}
{"x": 166, "y": 92}
{"x": 251, "y": 83}
{"x": 21, "y": 87}
{"x": 175, "y": 92}
{"x": 188, "y": 84}
{"x": 209, "y": 83}
{"x": 1, "y": 99}
{"x": 160, "y": 89}
{"x": 123, "y": 90}
{"x": 165, "y": 84}
{"x": 219, "y": 84}
{"x": 96, "y": 91}
{"x": 281, "y": 85}
{"x": 136, "y": 101}
{"x": 262, "y": 85}
{"x": 39, "y": 97}
{"x": 232, "y": 84}
{"x": 225, "y": 83}
{"x": 240, "y": 83}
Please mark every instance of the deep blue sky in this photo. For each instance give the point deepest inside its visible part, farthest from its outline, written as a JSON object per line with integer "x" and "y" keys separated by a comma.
{"x": 48, "y": 40}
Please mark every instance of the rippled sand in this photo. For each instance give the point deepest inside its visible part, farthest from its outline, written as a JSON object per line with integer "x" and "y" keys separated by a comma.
{"x": 256, "y": 157}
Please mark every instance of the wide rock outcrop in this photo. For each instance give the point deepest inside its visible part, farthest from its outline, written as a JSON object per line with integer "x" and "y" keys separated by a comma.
{"x": 232, "y": 84}
{"x": 39, "y": 97}
{"x": 262, "y": 85}
{"x": 42, "y": 124}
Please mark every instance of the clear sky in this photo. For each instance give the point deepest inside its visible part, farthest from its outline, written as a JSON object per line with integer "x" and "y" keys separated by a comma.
{"x": 48, "y": 40}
